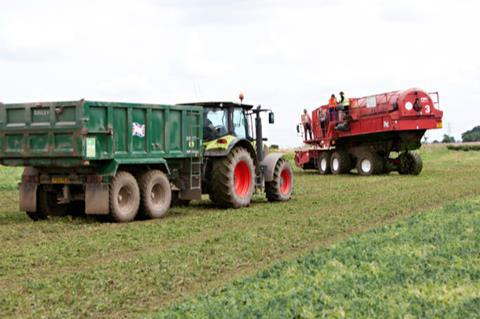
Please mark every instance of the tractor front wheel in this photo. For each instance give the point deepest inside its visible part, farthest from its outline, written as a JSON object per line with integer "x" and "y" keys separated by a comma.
{"x": 281, "y": 187}
{"x": 233, "y": 179}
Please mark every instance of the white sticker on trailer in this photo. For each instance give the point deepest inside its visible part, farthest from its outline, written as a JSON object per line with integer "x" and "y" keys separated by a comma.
{"x": 91, "y": 149}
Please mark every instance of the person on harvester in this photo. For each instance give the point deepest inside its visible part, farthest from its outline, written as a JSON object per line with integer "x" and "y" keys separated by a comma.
{"x": 332, "y": 106}
{"x": 307, "y": 123}
{"x": 343, "y": 105}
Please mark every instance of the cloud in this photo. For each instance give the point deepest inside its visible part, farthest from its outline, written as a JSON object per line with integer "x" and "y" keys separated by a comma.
{"x": 286, "y": 55}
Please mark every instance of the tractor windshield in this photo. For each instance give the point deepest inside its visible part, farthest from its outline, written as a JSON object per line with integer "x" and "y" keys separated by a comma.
{"x": 215, "y": 123}
{"x": 239, "y": 123}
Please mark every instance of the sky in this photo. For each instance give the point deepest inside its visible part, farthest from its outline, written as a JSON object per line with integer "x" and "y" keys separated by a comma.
{"x": 284, "y": 55}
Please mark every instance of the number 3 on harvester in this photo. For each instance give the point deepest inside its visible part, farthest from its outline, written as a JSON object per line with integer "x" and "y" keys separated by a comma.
{"x": 427, "y": 108}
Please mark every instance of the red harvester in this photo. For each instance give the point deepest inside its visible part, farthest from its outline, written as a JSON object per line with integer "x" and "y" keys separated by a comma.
{"x": 369, "y": 131}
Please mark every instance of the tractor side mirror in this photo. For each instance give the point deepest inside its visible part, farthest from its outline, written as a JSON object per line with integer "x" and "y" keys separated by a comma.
{"x": 271, "y": 118}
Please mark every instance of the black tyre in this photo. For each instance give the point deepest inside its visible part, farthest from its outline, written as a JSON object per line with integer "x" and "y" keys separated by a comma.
{"x": 233, "y": 179}
{"x": 370, "y": 163}
{"x": 177, "y": 202}
{"x": 36, "y": 216}
{"x": 124, "y": 197}
{"x": 410, "y": 163}
{"x": 281, "y": 188}
{"x": 48, "y": 204}
{"x": 340, "y": 162}
{"x": 324, "y": 163}
{"x": 156, "y": 194}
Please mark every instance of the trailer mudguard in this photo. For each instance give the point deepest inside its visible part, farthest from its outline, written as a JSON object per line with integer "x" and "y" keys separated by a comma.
{"x": 28, "y": 197}
{"x": 96, "y": 199}
{"x": 268, "y": 165}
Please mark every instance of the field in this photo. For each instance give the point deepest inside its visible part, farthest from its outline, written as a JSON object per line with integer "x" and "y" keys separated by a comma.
{"x": 426, "y": 266}
{"x": 80, "y": 267}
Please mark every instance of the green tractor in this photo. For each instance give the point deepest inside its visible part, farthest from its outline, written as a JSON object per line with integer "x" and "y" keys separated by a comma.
{"x": 235, "y": 160}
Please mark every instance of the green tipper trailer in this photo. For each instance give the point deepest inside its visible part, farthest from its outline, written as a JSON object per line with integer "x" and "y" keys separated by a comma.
{"x": 103, "y": 155}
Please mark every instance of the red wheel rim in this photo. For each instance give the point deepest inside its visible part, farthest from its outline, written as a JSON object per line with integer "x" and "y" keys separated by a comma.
{"x": 242, "y": 179}
{"x": 285, "y": 181}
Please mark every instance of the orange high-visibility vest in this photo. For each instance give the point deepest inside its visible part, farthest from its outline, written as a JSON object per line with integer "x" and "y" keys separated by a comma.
{"x": 332, "y": 103}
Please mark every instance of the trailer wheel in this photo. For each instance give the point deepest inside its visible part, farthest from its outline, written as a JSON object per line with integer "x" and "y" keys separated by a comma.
{"x": 36, "y": 216}
{"x": 176, "y": 201}
{"x": 281, "y": 187}
{"x": 410, "y": 163}
{"x": 369, "y": 163}
{"x": 156, "y": 194}
{"x": 124, "y": 197}
{"x": 233, "y": 179}
{"x": 324, "y": 163}
{"x": 48, "y": 205}
{"x": 340, "y": 162}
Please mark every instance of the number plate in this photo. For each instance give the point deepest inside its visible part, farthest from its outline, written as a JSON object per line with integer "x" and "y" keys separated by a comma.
{"x": 60, "y": 180}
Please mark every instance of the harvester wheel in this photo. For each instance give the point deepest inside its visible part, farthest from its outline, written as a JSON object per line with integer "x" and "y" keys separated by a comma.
{"x": 340, "y": 162}
{"x": 410, "y": 163}
{"x": 233, "y": 179}
{"x": 156, "y": 194}
{"x": 369, "y": 163}
{"x": 124, "y": 197}
{"x": 324, "y": 163}
{"x": 281, "y": 187}
{"x": 48, "y": 204}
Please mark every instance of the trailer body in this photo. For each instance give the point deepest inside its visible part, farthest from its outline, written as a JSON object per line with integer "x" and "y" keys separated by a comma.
{"x": 83, "y": 144}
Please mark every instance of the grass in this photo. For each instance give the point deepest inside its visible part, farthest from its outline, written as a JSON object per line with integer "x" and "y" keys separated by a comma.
{"x": 426, "y": 266}
{"x": 465, "y": 147}
{"x": 79, "y": 267}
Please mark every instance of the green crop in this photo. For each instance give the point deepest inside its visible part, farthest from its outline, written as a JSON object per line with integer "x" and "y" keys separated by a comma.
{"x": 79, "y": 267}
{"x": 426, "y": 266}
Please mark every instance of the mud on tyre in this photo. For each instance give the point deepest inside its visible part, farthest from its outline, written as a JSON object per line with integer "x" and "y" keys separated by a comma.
{"x": 124, "y": 197}
{"x": 156, "y": 194}
{"x": 281, "y": 187}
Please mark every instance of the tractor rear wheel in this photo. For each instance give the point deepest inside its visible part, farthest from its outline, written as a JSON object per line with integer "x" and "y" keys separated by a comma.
{"x": 233, "y": 179}
{"x": 156, "y": 194}
{"x": 324, "y": 163}
{"x": 340, "y": 162}
{"x": 281, "y": 187}
{"x": 124, "y": 197}
{"x": 369, "y": 163}
{"x": 410, "y": 163}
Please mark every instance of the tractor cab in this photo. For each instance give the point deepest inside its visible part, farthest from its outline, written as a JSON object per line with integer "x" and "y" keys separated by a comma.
{"x": 221, "y": 119}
